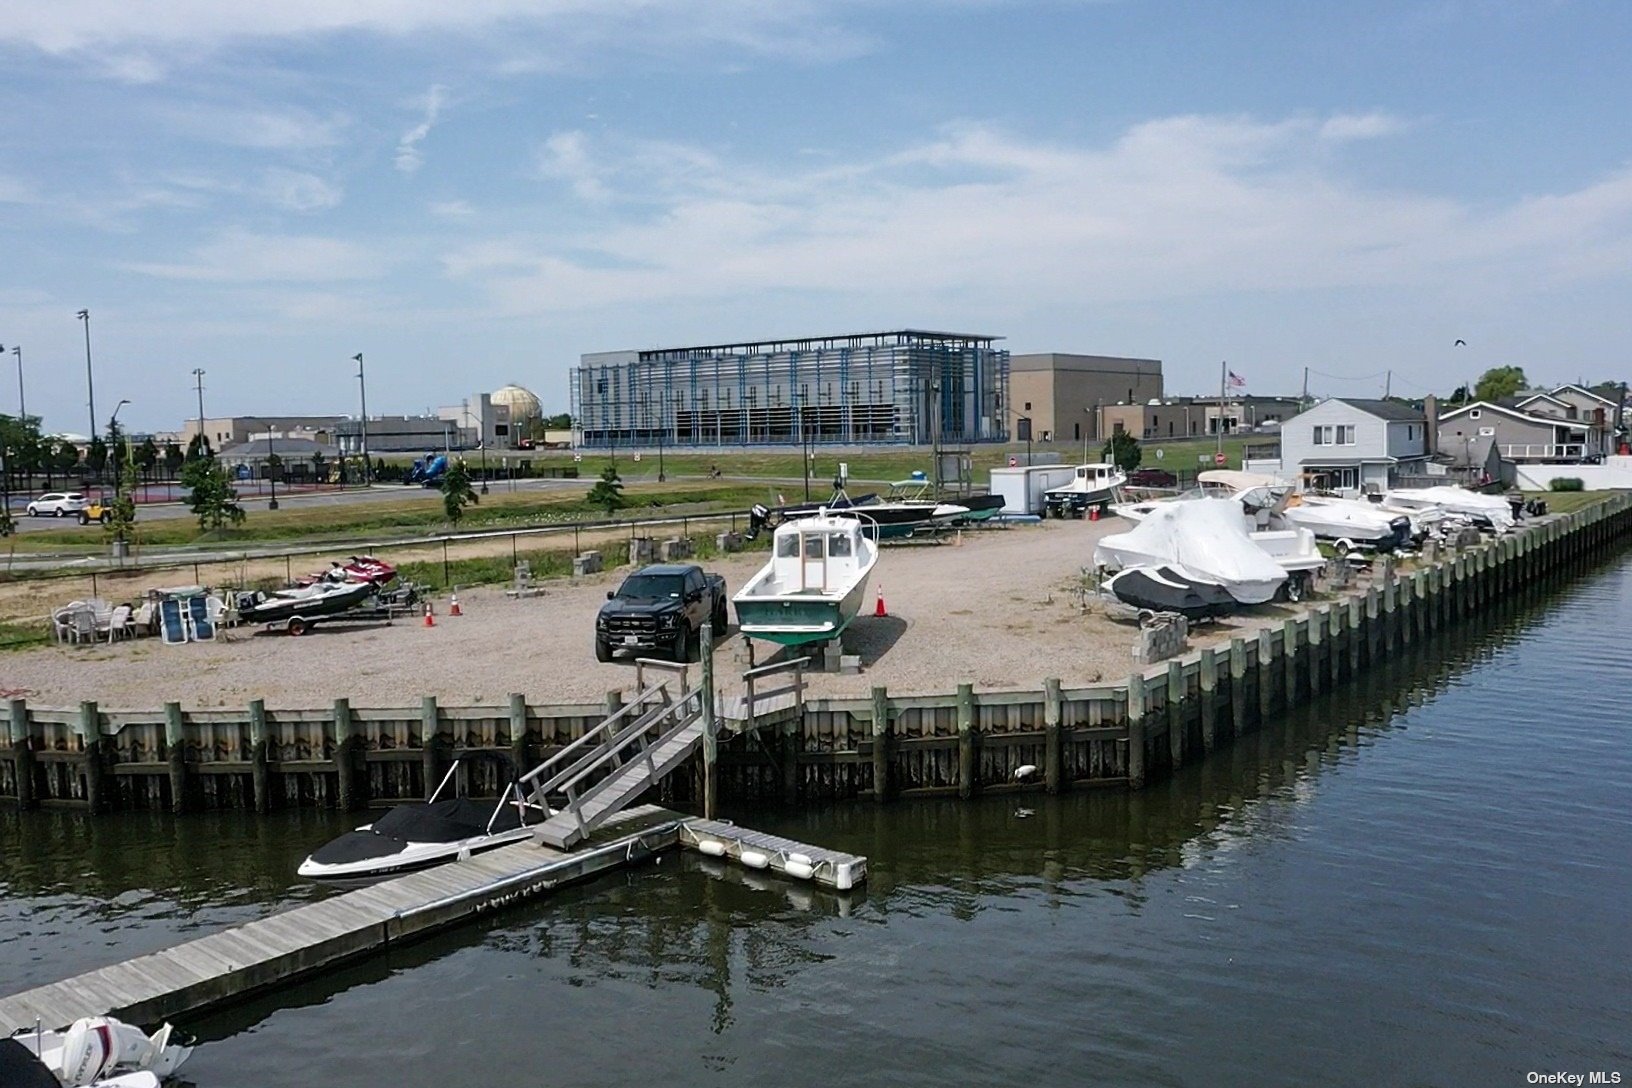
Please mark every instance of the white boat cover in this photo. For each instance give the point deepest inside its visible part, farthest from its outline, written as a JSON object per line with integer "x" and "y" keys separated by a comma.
{"x": 1207, "y": 537}
{"x": 1456, "y": 500}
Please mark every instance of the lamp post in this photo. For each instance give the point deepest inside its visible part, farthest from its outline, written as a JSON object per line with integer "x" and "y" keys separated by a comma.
{"x": 22, "y": 402}
{"x": 90, "y": 380}
{"x": 198, "y": 379}
{"x": 662, "y": 415}
{"x": 362, "y": 389}
{"x": 113, "y": 451}
{"x": 273, "y": 468}
{"x": 804, "y": 448}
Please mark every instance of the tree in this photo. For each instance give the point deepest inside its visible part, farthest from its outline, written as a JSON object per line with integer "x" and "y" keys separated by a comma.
{"x": 1500, "y": 382}
{"x": 212, "y": 498}
{"x": 457, "y": 492}
{"x": 96, "y": 457}
{"x": 608, "y": 491}
{"x": 1461, "y": 395}
{"x": 319, "y": 466}
{"x": 198, "y": 447}
{"x": 1122, "y": 451}
{"x": 173, "y": 459}
{"x": 147, "y": 455}
{"x": 65, "y": 458}
{"x": 121, "y": 523}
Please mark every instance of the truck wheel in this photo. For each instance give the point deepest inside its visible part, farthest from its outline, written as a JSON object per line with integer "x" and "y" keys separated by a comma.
{"x": 603, "y": 650}
{"x": 721, "y": 620}
{"x": 682, "y": 646}
{"x": 84, "y": 518}
{"x": 107, "y": 516}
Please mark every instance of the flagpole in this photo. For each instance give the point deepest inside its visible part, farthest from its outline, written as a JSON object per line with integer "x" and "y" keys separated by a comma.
{"x": 1223, "y": 369}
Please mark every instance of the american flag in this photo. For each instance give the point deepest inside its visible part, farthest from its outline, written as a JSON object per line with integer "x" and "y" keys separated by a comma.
{"x": 1236, "y": 380}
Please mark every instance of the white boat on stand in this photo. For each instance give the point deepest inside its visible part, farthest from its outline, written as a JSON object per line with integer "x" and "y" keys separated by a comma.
{"x": 95, "y": 1052}
{"x": 1097, "y": 484}
{"x": 815, "y": 582}
{"x": 1486, "y": 511}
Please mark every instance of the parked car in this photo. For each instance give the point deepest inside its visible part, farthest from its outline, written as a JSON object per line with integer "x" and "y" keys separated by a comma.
{"x": 660, "y": 609}
{"x": 97, "y": 510}
{"x": 1152, "y": 477}
{"x": 57, "y": 504}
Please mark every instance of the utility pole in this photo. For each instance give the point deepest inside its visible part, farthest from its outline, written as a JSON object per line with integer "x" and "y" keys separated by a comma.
{"x": 362, "y": 389}
{"x": 1388, "y": 384}
{"x": 90, "y": 381}
{"x": 198, "y": 378}
{"x": 1303, "y": 401}
{"x": 22, "y": 402}
{"x": 1223, "y": 375}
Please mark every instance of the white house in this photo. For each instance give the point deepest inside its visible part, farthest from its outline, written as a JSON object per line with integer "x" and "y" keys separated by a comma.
{"x": 1345, "y": 444}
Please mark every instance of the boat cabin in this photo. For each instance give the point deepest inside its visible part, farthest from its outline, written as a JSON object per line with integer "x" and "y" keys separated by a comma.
{"x": 1096, "y": 477}
{"x": 820, "y": 554}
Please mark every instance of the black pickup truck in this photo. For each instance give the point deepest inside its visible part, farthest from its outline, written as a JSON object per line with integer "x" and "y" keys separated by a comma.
{"x": 660, "y": 609}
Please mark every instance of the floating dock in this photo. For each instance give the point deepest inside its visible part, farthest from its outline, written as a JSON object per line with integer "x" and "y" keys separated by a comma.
{"x": 252, "y": 957}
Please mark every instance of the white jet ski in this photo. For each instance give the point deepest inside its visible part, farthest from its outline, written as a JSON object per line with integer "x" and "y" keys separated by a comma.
{"x": 95, "y": 1052}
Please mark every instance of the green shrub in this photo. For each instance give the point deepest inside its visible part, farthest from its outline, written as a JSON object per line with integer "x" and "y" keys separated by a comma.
{"x": 1566, "y": 483}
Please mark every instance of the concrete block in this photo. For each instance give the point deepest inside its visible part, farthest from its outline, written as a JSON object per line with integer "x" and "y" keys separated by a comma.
{"x": 850, "y": 664}
{"x": 676, "y": 549}
{"x": 728, "y": 541}
{"x": 1161, "y": 637}
{"x": 586, "y": 563}
{"x": 642, "y": 550}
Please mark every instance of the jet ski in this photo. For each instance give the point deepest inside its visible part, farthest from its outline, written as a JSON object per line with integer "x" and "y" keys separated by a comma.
{"x": 359, "y": 568}
{"x": 95, "y": 1052}
{"x": 1171, "y": 588}
{"x": 422, "y": 834}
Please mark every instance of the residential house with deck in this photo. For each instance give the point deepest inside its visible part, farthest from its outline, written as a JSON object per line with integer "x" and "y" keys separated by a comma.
{"x": 1568, "y": 425}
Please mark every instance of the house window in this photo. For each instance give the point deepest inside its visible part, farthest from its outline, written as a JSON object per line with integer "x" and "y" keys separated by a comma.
{"x": 1473, "y": 413}
{"x": 1410, "y": 433}
{"x": 1028, "y": 405}
{"x": 1345, "y": 434}
{"x": 1339, "y": 434}
{"x": 1322, "y": 436}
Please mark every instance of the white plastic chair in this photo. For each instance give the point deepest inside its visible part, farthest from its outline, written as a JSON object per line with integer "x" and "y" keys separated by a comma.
{"x": 119, "y": 623}
{"x": 83, "y": 625}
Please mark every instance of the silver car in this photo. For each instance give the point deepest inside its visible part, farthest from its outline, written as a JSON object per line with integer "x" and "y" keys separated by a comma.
{"x": 57, "y": 504}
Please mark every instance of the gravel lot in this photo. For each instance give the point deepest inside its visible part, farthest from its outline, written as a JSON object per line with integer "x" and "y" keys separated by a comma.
{"x": 998, "y": 609}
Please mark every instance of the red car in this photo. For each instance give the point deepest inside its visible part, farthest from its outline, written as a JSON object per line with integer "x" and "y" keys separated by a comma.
{"x": 1152, "y": 477}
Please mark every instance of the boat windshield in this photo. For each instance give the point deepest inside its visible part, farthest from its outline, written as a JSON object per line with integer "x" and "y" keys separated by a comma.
{"x": 653, "y": 586}
{"x": 787, "y": 546}
{"x": 838, "y": 545}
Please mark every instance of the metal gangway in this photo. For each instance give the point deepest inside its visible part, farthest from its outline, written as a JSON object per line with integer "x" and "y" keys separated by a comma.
{"x": 613, "y": 763}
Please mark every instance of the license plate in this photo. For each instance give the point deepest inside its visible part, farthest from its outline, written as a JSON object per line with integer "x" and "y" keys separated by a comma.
{"x": 631, "y": 640}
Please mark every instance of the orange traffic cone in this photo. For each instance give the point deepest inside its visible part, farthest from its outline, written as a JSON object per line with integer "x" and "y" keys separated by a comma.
{"x": 430, "y": 618}
{"x": 453, "y": 606}
{"x": 878, "y": 607}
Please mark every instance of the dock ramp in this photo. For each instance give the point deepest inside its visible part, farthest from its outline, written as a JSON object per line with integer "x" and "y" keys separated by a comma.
{"x": 612, "y": 764}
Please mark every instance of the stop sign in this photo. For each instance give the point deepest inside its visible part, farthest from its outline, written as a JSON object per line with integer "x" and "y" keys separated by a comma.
{"x": 1219, "y": 459}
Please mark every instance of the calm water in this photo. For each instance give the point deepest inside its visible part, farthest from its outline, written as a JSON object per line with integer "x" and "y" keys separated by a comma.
{"x": 1425, "y": 879}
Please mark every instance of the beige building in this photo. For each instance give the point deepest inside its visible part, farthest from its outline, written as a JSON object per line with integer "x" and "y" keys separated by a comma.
{"x": 232, "y": 430}
{"x": 1065, "y": 395}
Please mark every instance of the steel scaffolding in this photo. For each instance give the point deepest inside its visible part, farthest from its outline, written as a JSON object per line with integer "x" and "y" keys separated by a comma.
{"x": 871, "y": 388}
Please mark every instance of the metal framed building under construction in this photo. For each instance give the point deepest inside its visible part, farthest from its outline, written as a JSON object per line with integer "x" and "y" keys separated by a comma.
{"x": 886, "y": 387}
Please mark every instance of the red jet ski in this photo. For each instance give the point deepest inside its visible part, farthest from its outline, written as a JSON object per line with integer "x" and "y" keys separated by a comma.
{"x": 361, "y": 568}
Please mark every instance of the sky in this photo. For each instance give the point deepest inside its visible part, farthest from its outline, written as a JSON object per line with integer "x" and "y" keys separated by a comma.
{"x": 477, "y": 193}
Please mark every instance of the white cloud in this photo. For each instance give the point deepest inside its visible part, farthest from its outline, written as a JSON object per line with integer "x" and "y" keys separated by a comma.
{"x": 1362, "y": 126}
{"x": 978, "y": 218}
{"x": 299, "y": 192}
{"x": 259, "y": 130}
{"x": 451, "y": 209}
{"x": 239, "y": 256}
{"x": 536, "y": 34}
{"x": 409, "y": 157}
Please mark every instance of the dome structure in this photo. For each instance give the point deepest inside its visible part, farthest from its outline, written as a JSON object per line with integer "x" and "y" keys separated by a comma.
{"x": 523, "y": 403}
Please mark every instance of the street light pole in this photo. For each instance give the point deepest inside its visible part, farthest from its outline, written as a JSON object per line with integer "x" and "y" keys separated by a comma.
{"x": 22, "y": 402}
{"x": 362, "y": 389}
{"x": 90, "y": 380}
{"x": 272, "y": 467}
{"x": 113, "y": 435}
{"x": 198, "y": 379}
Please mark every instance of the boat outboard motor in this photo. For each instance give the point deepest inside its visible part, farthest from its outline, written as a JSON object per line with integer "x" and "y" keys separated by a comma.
{"x": 758, "y": 518}
{"x": 98, "y": 1046}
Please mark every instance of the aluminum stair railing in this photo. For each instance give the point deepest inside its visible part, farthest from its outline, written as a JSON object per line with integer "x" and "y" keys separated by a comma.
{"x": 611, "y": 765}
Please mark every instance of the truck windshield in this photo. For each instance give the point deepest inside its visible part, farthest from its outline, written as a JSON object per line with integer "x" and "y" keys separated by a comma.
{"x": 653, "y": 585}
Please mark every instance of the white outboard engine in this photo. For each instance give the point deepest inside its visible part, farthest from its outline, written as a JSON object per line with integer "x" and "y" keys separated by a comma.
{"x": 100, "y": 1046}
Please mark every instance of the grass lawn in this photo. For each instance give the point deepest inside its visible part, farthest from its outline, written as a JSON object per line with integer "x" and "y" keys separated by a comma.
{"x": 1567, "y": 502}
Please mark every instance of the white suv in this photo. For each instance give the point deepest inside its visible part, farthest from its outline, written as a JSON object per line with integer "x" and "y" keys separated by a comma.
{"x": 57, "y": 504}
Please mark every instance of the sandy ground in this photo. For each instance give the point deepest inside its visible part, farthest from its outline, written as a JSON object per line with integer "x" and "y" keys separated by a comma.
{"x": 999, "y": 609}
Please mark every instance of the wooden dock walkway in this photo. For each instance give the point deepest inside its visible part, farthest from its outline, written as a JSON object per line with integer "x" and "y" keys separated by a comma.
{"x": 256, "y": 955}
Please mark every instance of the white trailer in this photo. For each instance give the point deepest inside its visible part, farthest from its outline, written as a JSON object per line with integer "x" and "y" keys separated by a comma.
{"x": 1022, "y": 488}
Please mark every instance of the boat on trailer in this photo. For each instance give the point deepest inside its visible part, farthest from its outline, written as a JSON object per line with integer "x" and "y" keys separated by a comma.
{"x": 815, "y": 582}
{"x": 423, "y": 834}
{"x": 297, "y": 609}
{"x": 1092, "y": 485}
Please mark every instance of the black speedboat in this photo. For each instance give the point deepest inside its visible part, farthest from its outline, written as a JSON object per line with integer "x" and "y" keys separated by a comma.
{"x": 1171, "y": 589}
{"x": 307, "y": 602}
{"x": 421, "y": 834}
